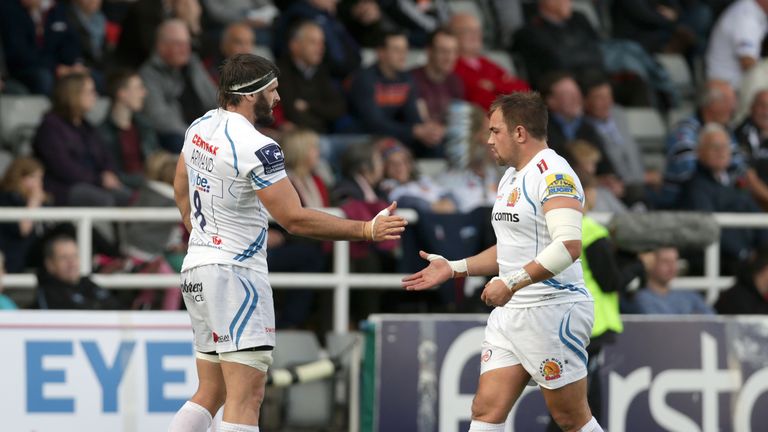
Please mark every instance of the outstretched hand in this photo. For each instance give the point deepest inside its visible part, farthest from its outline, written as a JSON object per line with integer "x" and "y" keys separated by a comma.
{"x": 437, "y": 272}
{"x": 385, "y": 225}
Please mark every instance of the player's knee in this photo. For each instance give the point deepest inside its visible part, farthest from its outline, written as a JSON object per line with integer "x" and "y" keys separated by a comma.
{"x": 569, "y": 421}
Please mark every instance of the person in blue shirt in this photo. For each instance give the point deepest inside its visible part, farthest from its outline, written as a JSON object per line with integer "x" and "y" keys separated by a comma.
{"x": 5, "y": 302}
{"x": 658, "y": 298}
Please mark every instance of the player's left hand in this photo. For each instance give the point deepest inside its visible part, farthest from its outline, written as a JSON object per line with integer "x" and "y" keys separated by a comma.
{"x": 496, "y": 293}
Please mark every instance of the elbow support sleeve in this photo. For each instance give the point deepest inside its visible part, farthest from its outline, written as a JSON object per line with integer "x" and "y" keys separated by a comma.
{"x": 563, "y": 224}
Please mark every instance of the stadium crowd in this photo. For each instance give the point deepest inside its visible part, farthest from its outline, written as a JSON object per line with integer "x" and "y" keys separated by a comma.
{"x": 373, "y": 92}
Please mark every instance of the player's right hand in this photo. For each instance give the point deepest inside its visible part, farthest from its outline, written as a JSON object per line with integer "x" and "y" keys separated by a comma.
{"x": 386, "y": 226}
{"x": 437, "y": 272}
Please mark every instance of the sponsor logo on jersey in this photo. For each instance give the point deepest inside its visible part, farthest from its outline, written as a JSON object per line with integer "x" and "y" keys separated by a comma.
{"x": 221, "y": 339}
{"x": 486, "y": 355}
{"x": 506, "y": 217}
{"x": 202, "y": 184}
{"x": 200, "y": 143}
{"x": 562, "y": 185}
{"x": 513, "y": 197}
{"x": 271, "y": 157}
{"x": 550, "y": 369}
{"x": 201, "y": 161}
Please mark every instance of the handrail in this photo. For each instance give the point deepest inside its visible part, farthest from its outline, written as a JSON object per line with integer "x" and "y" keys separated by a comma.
{"x": 340, "y": 280}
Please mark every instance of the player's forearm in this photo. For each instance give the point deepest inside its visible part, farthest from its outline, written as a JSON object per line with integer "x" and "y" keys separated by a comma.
{"x": 322, "y": 226}
{"x": 483, "y": 264}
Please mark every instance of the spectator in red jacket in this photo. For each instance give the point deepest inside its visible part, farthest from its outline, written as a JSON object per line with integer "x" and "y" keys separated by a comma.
{"x": 483, "y": 79}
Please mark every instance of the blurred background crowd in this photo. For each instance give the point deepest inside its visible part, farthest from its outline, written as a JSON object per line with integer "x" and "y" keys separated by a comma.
{"x": 658, "y": 105}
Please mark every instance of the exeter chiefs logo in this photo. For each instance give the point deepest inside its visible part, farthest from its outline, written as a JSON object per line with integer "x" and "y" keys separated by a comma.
{"x": 550, "y": 369}
{"x": 513, "y": 197}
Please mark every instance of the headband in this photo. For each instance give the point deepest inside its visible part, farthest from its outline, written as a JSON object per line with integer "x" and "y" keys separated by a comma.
{"x": 254, "y": 86}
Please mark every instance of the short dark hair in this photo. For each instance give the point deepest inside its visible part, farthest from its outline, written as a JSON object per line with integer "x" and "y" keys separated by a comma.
{"x": 386, "y": 35}
{"x": 439, "y": 31}
{"x": 117, "y": 79}
{"x": 591, "y": 80}
{"x": 550, "y": 79}
{"x": 241, "y": 69}
{"x": 53, "y": 240}
{"x": 296, "y": 27}
{"x": 523, "y": 109}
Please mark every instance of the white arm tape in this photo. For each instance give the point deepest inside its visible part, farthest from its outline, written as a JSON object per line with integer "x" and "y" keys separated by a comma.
{"x": 384, "y": 212}
{"x": 563, "y": 224}
{"x": 512, "y": 279}
{"x": 458, "y": 266}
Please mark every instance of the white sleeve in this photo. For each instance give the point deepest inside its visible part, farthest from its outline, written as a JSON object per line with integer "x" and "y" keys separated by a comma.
{"x": 748, "y": 38}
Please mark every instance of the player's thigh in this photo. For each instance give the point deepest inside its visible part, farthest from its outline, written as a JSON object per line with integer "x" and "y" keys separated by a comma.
{"x": 244, "y": 382}
{"x": 497, "y": 391}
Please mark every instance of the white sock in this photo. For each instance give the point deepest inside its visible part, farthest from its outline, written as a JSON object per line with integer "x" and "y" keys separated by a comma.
{"x": 191, "y": 418}
{"x": 591, "y": 426}
{"x": 232, "y": 427}
{"x": 478, "y": 426}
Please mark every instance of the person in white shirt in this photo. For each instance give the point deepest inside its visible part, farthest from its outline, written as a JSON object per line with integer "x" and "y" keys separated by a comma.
{"x": 543, "y": 313}
{"x": 734, "y": 46}
{"x": 229, "y": 178}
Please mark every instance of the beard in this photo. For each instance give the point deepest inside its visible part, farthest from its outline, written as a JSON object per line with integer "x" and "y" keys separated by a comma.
{"x": 263, "y": 111}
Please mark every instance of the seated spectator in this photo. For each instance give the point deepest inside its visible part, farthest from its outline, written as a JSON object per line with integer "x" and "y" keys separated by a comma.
{"x": 403, "y": 184}
{"x": 585, "y": 160}
{"x": 179, "y": 89}
{"x": 558, "y": 38}
{"x": 257, "y": 15}
{"x": 654, "y": 24}
{"x": 418, "y": 18}
{"x": 734, "y": 45}
{"x": 752, "y": 135}
{"x": 236, "y": 39}
{"x": 362, "y": 169}
{"x": 483, "y": 79}
{"x": 717, "y": 102}
{"x": 365, "y": 20}
{"x": 750, "y": 294}
{"x": 383, "y": 98}
{"x": 78, "y": 169}
{"x": 342, "y": 54}
{"x": 658, "y": 297}
{"x": 755, "y": 80}
{"x": 59, "y": 284}
{"x": 22, "y": 186}
{"x": 620, "y": 147}
{"x": 436, "y": 83}
{"x": 28, "y": 36}
{"x": 473, "y": 177}
{"x": 292, "y": 254}
{"x": 566, "y": 119}
{"x": 141, "y": 22}
{"x": 6, "y": 303}
{"x": 89, "y": 24}
{"x": 127, "y": 134}
{"x": 309, "y": 97}
{"x": 714, "y": 189}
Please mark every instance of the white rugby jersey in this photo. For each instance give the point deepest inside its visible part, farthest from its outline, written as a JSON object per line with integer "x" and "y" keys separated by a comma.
{"x": 228, "y": 160}
{"x": 521, "y": 230}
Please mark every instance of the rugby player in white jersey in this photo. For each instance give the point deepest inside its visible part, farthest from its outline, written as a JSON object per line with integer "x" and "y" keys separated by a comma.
{"x": 229, "y": 178}
{"x": 543, "y": 314}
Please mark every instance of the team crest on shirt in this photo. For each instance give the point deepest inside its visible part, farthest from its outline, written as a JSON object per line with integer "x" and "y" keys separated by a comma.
{"x": 486, "y": 355}
{"x": 561, "y": 185}
{"x": 550, "y": 369}
{"x": 513, "y": 197}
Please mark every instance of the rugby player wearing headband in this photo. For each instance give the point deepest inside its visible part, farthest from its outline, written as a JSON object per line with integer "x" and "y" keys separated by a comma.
{"x": 543, "y": 313}
{"x": 229, "y": 179}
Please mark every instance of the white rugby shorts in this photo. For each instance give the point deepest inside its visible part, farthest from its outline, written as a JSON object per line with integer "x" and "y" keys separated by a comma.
{"x": 230, "y": 307}
{"x": 550, "y": 342}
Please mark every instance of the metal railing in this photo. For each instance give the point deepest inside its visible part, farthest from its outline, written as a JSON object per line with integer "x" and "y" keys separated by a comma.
{"x": 340, "y": 280}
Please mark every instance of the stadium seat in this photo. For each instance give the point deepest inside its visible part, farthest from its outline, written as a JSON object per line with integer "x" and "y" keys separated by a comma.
{"x": 5, "y": 161}
{"x": 99, "y": 112}
{"x": 19, "y": 118}
{"x": 502, "y": 59}
{"x": 263, "y": 51}
{"x": 647, "y": 127}
{"x": 679, "y": 72}
{"x": 368, "y": 56}
{"x": 466, "y": 6}
{"x": 431, "y": 167}
{"x": 307, "y": 405}
{"x": 416, "y": 58}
